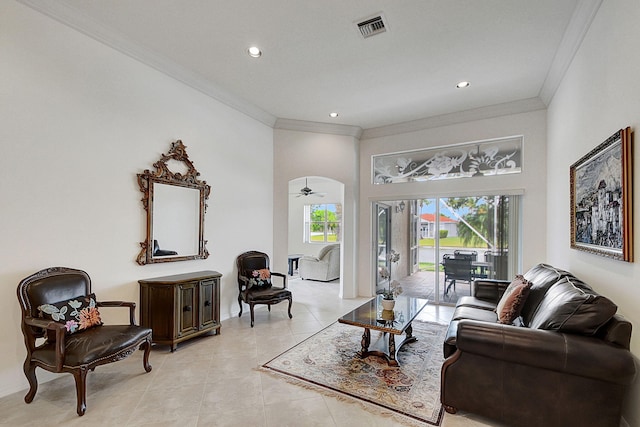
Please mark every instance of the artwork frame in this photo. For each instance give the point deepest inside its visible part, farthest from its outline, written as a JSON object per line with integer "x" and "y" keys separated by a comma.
{"x": 601, "y": 199}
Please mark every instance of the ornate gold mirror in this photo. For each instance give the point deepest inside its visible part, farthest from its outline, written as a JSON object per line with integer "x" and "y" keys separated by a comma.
{"x": 175, "y": 201}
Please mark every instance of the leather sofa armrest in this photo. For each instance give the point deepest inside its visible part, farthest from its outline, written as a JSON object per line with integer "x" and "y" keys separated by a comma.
{"x": 568, "y": 353}
{"x": 489, "y": 289}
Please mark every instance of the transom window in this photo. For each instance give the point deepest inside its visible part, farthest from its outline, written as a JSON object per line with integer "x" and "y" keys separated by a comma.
{"x": 322, "y": 223}
{"x": 469, "y": 160}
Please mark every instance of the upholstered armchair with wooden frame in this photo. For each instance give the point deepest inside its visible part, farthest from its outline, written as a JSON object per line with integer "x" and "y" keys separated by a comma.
{"x": 65, "y": 349}
{"x": 255, "y": 283}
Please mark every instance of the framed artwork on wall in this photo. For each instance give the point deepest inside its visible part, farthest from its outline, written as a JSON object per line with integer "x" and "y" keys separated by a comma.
{"x": 601, "y": 199}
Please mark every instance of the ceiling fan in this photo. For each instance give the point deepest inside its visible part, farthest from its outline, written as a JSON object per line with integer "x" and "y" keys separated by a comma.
{"x": 306, "y": 191}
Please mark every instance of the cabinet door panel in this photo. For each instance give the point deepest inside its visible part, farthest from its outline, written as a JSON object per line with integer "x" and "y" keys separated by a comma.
{"x": 207, "y": 302}
{"x": 156, "y": 319}
{"x": 188, "y": 309}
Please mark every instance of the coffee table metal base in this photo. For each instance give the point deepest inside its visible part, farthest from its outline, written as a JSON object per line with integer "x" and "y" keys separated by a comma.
{"x": 388, "y": 350}
{"x": 372, "y": 316}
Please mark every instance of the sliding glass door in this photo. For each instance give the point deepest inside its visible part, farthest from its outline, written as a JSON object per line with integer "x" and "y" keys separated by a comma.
{"x": 482, "y": 229}
{"x": 382, "y": 231}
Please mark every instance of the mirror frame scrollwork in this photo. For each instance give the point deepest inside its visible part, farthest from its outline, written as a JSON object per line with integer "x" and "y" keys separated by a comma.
{"x": 163, "y": 175}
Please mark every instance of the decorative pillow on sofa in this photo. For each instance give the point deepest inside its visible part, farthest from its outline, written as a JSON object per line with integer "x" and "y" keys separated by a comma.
{"x": 572, "y": 306}
{"x": 513, "y": 300}
{"x": 77, "y": 314}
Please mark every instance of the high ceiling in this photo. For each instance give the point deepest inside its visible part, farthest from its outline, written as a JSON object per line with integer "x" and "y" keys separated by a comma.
{"x": 315, "y": 60}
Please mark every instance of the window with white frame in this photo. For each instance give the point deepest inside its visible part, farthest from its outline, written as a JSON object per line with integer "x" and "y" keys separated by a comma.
{"x": 322, "y": 223}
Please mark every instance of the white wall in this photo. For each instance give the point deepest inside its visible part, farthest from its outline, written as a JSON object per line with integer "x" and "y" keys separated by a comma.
{"x": 532, "y": 180}
{"x": 599, "y": 95}
{"x": 300, "y": 154}
{"x": 79, "y": 120}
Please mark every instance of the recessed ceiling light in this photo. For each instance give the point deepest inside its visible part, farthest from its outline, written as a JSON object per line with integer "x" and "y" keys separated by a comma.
{"x": 333, "y": 115}
{"x": 254, "y": 52}
{"x": 462, "y": 85}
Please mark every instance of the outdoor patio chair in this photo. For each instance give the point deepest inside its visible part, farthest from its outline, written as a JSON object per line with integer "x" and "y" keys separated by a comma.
{"x": 472, "y": 255}
{"x": 456, "y": 269}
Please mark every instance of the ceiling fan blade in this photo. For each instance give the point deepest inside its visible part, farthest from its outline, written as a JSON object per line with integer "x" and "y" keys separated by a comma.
{"x": 306, "y": 191}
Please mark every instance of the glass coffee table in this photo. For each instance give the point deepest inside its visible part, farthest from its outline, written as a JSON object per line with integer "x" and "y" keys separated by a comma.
{"x": 370, "y": 315}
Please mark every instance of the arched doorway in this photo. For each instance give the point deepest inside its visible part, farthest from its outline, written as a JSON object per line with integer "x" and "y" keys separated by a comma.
{"x": 315, "y": 217}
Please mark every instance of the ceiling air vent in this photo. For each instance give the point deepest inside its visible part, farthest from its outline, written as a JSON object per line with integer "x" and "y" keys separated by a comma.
{"x": 372, "y": 26}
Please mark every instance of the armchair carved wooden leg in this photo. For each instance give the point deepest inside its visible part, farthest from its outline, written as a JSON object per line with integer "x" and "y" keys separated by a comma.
{"x": 30, "y": 373}
{"x": 240, "y": 304}
{"x": 290, "y": 302}
{"x": 251, "y": 310}
{"x": 145, "y": 358}
{"x": 80, "y": 376}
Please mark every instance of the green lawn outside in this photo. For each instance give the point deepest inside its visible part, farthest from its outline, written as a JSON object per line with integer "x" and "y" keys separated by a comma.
{"x": 450, "y": 242}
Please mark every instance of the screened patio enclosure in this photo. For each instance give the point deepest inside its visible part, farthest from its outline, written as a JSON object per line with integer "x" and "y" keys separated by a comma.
{"x": 445, "y": 243}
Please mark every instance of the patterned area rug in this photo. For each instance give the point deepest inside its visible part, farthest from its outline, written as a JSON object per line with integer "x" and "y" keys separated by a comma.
{"x": 328, "y": 361}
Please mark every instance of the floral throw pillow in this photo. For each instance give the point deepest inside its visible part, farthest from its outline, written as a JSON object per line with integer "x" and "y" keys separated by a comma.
{"x": 260, "y": 277}
{"x": 77, "y": 314}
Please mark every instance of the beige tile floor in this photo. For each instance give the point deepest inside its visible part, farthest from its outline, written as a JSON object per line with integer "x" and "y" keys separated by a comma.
{"x": 214, "y": 380}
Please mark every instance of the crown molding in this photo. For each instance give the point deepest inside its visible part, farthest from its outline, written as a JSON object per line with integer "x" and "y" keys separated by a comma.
{"x": 497, "y": 110}
{"x": 73, "y": 18}
{"x": 576, "y": 31}
{"x": 317, "y": 127}
{"x": 574, "y": 34}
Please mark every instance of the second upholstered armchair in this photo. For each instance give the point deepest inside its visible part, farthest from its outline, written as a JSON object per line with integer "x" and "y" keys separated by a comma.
{"x": 255, "y": 283}
{"x": 325, "y": 267}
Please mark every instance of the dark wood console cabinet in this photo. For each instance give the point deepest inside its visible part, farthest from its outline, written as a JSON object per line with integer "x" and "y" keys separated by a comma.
{"x": 180, "y": 307}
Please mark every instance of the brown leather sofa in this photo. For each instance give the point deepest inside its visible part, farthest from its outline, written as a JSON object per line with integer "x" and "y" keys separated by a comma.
{"x": 564, "y": 362}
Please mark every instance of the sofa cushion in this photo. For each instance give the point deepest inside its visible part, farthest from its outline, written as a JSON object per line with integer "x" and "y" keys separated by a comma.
{"x": 542, "y": 277}
{"x": 469, "y": 301}
{"x": 570, "y": 307}
{"x": 474, "y": 313}
{"x": 513, "y": 299}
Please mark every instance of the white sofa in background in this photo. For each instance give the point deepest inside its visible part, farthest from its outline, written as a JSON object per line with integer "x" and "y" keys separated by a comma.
{"x": 325, "y": 267}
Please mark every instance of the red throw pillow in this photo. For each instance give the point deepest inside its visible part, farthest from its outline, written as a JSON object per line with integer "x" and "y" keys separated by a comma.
{"x": 513, "y": 299}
